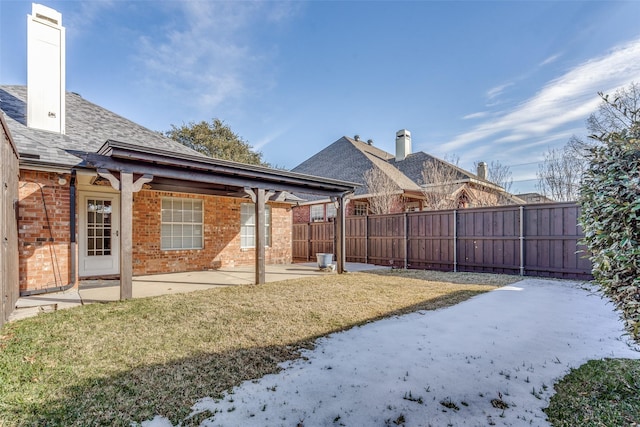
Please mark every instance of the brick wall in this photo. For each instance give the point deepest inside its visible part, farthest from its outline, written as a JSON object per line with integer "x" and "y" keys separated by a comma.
{"x": 44, "y": 233}
{"x": 301, "y": 214}
{"x": 221, "y": 236}
{"x": 43, "y": 230}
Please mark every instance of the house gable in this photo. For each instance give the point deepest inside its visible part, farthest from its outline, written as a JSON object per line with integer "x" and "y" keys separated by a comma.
{"x": 348, "y": 159}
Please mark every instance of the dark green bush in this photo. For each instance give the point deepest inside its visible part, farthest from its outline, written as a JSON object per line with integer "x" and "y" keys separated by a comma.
{"x": 610, "y": 218}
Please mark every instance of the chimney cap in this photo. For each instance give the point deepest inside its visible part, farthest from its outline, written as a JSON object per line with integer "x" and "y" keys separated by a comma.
{"x": 403, "y": 132}
{"x": 483, "y": 170}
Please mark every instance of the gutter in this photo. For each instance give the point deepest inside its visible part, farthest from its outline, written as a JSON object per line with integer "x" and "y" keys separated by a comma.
{"x": 72, "y": 263}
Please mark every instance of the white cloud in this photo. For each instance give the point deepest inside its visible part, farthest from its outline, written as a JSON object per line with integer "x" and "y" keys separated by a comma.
{"x": 82, "y": 16}
{"x": 477, "y": 115}
{"x": 497, "y": 91}
{"x": 272, "y": 136}
{"x": 551, "y": 59}
{"x": 561, "y": 101}
{"x": 204, "y": 53}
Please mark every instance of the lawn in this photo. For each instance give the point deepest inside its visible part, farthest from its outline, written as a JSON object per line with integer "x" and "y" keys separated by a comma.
{"x": 598, "y": 393}
{"x": 111, "y": 364}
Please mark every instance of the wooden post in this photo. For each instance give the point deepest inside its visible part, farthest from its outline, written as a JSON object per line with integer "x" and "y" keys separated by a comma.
{"x": 126, "y": 235}
{"x": 340, "y": 236}
{"x": 522, "y": 240}
{"x": 309, "y": 241}
{"x": 406, "y": 240}
{"x": 260, "y": 236}
{"x": 127, "y": 187}
{"x": 366, "y": 239}
{"x": 455, "y": 241}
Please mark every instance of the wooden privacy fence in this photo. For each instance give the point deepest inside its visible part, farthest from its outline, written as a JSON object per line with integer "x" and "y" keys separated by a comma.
{"x": 8, "y": 223}
{"x": 534, "y": 240}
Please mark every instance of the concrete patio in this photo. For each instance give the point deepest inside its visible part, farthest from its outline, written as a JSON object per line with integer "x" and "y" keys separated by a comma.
{"x": 102, "y": 291}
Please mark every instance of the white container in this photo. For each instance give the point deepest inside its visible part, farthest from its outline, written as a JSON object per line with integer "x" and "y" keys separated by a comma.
{"x": 324, "y": 260}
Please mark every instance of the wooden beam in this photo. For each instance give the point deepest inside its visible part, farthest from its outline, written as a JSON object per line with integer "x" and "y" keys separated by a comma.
{"x": 186, "y": 174}
{"x": 260, "y": 235}
{"x": 105, "y": 173}
{"x": 144, "y": 179}
{"x": 126, "y": 235}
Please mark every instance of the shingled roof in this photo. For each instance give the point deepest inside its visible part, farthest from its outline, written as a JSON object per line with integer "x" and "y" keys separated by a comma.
{"x": 88, "y": 127}
{"x": 348, "y": 159}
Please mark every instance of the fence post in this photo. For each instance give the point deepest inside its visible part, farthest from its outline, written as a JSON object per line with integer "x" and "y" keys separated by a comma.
{"x": 309, "y": 240}
{"x": 406, "y": 240}
{"x": 455, "y": 240}
{"x": 522, "y": 240}
{"x": 366, "y": 239}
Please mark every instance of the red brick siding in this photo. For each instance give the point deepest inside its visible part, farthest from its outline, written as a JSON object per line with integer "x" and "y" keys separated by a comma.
{"x": 221, "y": 236}
{"x": 44, "y": 244}
{"x": 301, "y": 214}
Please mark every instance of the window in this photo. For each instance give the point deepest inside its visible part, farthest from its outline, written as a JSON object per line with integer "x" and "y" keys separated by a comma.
{"x": 181, "y": 224}
{"x": 412, "y": 207}
{"x": 317, "y": 213}
{"x": 360, "y": 208}
{"x": 98, "y": 227}
{"x": 248, "y": 225}
{"x": 331, "y": 210}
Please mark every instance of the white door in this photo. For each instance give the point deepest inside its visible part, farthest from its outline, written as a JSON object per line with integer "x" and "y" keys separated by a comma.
{"x": 99, "y": 234}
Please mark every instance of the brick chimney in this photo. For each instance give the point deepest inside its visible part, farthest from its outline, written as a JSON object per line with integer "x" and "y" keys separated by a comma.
{"x": 403, "y": 144}
{"x": 482, "y": 170}
{"x": 45, "y": 69}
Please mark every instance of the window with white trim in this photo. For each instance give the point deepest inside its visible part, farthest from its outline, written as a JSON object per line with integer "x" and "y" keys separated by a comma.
{"x": 248, "y": 225}
{"x": 360, "y": 208}
{"x": 331, "y": 210}
{"x": 182, "y": 224}
{"x": 317, "y": 213}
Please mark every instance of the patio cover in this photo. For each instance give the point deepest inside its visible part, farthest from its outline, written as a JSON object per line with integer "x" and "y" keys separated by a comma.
{"x": 130, "y": 167}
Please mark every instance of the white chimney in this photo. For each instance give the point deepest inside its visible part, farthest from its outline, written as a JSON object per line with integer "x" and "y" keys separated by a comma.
{"x": 403, "y": 144}
{"x": 482, "y": 170}
{"x": 45, "y": 69}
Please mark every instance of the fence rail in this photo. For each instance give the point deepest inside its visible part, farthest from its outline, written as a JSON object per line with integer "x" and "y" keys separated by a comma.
{"x": 534, "y": 240}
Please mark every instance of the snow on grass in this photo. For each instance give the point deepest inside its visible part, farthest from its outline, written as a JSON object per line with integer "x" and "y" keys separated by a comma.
{"x": 491, "y": 360}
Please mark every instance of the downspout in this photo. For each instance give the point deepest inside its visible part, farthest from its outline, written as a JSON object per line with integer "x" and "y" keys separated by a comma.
{"x": 72, "y": 261}
{"x": 72, "y": 229}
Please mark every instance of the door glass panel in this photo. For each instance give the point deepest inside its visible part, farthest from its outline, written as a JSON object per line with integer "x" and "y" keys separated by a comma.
{"x": 98, "y": 227}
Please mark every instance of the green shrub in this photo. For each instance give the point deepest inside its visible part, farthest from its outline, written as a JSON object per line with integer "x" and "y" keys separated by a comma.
{"x": 610, "y": 218}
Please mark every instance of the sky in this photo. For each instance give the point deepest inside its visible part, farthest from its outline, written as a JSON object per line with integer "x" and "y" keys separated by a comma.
{"x": 495, "y": 365}
{"x": 479, "y": 80}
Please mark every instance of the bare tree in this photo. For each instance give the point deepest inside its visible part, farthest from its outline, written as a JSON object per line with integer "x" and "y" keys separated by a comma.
{"x": 613, "y": 115}
{"x": 440, "y": 183}
{"x": 560, "y": 174}
{"x": 498, "y": 174}
{"x": 616, "y": 113}
{"x": 385, "y": 193}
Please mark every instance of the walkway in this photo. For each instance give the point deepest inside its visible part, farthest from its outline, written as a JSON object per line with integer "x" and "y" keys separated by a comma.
{"x": 92, "y": 291}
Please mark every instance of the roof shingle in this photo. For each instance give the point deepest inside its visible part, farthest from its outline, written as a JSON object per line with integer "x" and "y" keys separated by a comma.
{"x": 88, "y": 127}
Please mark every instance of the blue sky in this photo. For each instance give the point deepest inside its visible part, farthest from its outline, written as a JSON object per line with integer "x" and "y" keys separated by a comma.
{"x": 482, "y": 80}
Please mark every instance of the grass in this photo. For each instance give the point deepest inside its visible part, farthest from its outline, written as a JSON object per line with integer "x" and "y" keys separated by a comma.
{"x": 111, "y": 364}
{"x": 598, "y": 393}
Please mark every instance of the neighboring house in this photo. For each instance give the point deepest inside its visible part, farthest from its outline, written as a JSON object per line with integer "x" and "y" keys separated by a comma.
{"x": 100, "y": 196}
{"x": 535, "y": 198}
{"x": 350, "y": 158}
